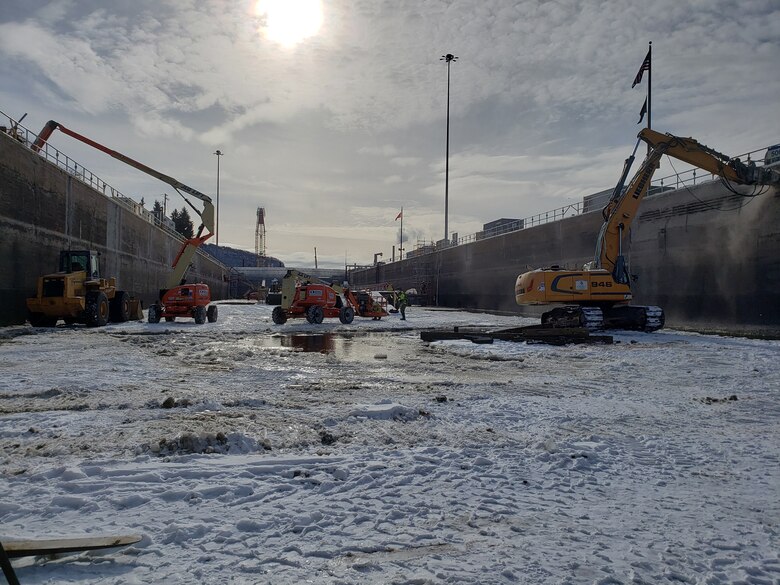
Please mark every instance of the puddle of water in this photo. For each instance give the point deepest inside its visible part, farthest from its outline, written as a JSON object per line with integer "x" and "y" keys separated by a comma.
{"x": 340, "y": 345}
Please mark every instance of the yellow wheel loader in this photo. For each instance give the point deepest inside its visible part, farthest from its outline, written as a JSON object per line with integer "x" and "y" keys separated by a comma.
{"x": 77, "y": 294}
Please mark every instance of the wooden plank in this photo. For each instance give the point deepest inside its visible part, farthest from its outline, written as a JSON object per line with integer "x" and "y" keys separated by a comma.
{"x": 440, "y": 335}
{"x": 31, "y": 548}
{"x": 543, "y": 331}
{"x": 530, "y": 334}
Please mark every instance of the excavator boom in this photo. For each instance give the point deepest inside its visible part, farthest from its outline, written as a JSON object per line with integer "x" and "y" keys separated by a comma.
{"x": 622, "y": 208}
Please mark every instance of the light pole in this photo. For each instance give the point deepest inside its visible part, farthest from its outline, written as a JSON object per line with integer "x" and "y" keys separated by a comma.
{"x": 219, "y": 153}
{"x": 449, "y": 58}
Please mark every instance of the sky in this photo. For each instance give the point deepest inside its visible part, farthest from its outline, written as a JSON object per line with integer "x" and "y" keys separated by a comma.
{"x": 332, "y": 115}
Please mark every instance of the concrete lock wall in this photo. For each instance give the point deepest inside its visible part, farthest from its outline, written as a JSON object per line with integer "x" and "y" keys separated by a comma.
{"x": 709, "y": 258}
{"x": 44, "y": 209}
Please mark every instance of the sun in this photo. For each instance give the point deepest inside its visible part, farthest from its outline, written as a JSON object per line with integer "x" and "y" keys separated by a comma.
{"x": 288, "y": 22}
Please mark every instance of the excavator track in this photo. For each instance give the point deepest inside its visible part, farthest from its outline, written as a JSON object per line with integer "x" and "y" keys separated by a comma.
{"x": 629, "y": 317}
{"x": 634, "y": 318}
{"x": 590, "y": 318}
{"x": 655, "y": 318}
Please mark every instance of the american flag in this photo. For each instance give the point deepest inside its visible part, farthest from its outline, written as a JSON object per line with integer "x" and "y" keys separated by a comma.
{"x": 645, "y": 67}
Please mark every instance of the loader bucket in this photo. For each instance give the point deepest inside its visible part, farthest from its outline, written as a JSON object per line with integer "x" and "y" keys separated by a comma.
{"x": 136, "y": 310}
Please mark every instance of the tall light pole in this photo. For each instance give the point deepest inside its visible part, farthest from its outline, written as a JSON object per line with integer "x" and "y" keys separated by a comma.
{"x": 449, "y": 58}
{"x": 219, "y": 153}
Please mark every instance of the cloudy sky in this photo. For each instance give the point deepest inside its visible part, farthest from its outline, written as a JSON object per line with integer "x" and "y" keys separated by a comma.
{"x": 332, "y": 113}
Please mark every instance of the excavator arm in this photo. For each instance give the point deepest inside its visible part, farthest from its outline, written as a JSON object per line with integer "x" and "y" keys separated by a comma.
{"x": 622, "y": 208}
{"x": 182, "y": 261}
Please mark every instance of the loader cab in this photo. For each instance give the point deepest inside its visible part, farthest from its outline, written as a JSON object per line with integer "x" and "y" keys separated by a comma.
{"x": 78, "y": 260}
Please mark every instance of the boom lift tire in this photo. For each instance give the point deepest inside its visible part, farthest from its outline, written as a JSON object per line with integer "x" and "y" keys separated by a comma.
{"x": 96, "y": 309}
{"x": 153, "y": 315}
{"x": 199, "y": 314}
{"x": 212, "y": 313}
{"x": 119, "y": 307}
{"x": 346, "y": 315}
{"x": 315, "y": 314}
{"x": 278, "y": 316}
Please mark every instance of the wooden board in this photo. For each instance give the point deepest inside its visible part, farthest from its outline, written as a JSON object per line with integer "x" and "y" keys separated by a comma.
{"x": 529, "y": 334}
{"x": 30, "y": 548}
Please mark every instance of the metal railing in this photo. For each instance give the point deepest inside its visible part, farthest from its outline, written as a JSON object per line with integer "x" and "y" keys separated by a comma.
{"x": 26, "y": 137}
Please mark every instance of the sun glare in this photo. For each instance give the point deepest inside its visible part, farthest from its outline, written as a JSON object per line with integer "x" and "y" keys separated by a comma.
{"x": 288, "y": 22}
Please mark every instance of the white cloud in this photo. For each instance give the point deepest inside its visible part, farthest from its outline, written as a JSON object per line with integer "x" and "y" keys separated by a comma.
{"x": 385, "y": 150}
{"x": 406, "y": 161}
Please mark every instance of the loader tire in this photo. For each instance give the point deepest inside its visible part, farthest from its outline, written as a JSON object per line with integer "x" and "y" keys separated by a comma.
{"x": 153, "y": 314}
{"x": 119, "y": 307}
{"x": 41, "y": 320}
{"x": 170, "y": 319}
{"x": 212, "y": 313}
{"x": 96, "y": 310}
{"x": 278, "y": 316}
{"x": 347, "y": 315}
{"x": 199, "y": 314}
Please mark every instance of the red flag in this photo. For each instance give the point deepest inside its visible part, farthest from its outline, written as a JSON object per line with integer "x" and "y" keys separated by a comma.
{"x": 400, "y": 215}
{"x": 645, "y": 67}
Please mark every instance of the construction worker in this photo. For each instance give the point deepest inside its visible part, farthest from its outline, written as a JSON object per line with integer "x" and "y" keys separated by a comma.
{"x": 403, "y": 302}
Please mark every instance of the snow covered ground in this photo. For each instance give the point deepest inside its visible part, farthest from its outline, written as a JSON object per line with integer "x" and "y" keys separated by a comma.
{"x": 246, "y": 452}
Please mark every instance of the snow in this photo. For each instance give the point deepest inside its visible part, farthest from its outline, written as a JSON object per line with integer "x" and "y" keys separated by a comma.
{"x": 246, "y": 452}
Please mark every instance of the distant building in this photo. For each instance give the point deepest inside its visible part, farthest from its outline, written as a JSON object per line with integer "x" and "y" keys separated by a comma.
{"x": 500, "y": 226}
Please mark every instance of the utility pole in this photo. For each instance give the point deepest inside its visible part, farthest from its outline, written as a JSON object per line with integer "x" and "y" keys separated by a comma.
{"x": 219, "y": 153}
{"x": 449, "y": 58}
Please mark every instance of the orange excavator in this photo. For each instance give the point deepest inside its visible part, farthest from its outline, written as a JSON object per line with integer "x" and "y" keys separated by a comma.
{"x": 598, "y": 296}
{"x": 177, "y": 299}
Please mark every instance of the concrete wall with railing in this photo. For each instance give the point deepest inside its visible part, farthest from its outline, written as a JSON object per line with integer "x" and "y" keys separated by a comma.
{"x": 49, "y": 203}
{"x": 709, "y": 257}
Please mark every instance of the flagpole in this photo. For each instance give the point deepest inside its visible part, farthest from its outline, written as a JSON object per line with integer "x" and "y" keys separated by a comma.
{"x": 401, "y": 243}
{"x": 649, "y": 90}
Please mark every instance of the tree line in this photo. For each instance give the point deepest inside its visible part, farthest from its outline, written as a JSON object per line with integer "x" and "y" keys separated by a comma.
{"x": 182, "y": 222}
